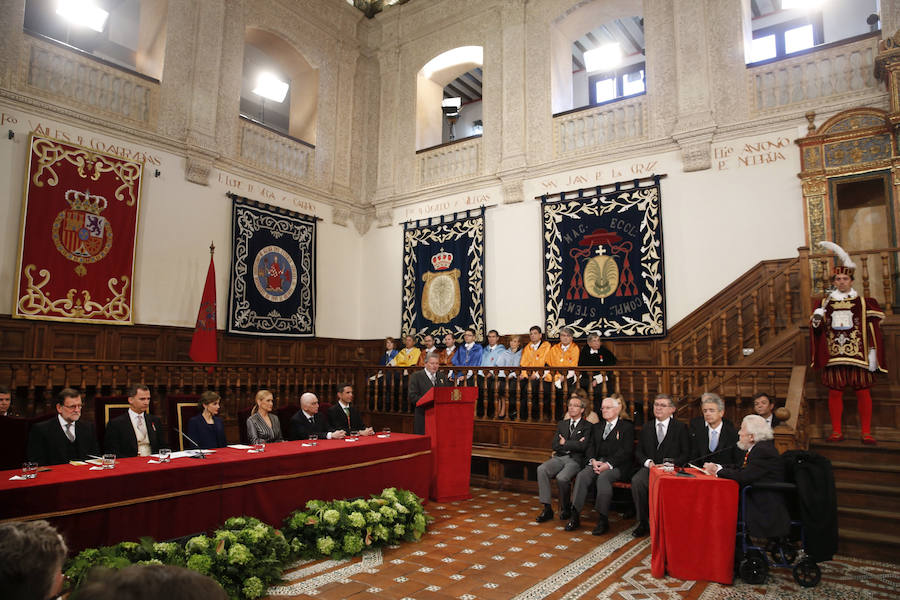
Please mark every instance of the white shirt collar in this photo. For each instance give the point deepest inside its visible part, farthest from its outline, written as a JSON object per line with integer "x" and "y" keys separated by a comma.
{"x": 535, "y": 345}
{"x": 341, "y": 402}
{"x": 308, "y": 416}
{"x": 135, "y": 415}
{"x": 614, "y": 422}
{"x": 716, "y": 429}
{"x": 450, "y": 349}
{"x": 63, "y": 423}
{"x": 469, "y": 345}
{"x": 836, "y": 295}
{"x": 575, "y": 422}
{"x": 594, "y": 351}
{"x": 564, "y": 348}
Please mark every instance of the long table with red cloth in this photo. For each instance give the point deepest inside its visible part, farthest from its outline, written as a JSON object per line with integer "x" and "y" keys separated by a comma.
{"x": 693, "y": 523}
{"x": 188, "y": 495}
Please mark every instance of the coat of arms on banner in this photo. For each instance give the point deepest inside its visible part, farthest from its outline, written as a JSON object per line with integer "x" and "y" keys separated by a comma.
{"x": 272, "y": 271}
{"x": 76, "y": 257}
{"x": 604, "y": 262}
{"x": 443, "y": 276}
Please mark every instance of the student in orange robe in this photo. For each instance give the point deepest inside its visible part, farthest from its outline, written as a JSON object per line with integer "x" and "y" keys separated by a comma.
{"x": 534, "y": 355}
{"x": 563, "y": 355}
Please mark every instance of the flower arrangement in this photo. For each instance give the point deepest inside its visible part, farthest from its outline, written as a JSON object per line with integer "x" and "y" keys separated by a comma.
{"x": 343, "y": 528}
{"x": 246, "y": 556}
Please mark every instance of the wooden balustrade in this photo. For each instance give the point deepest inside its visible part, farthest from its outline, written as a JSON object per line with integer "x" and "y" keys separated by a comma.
{"x": 876, "y": 271}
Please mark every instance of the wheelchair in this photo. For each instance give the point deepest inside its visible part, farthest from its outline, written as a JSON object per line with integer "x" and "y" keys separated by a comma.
{"x": 786, "y": 552}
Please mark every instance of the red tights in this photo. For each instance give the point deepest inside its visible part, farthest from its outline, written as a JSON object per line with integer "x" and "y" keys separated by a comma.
{"x": 864, "y": 404}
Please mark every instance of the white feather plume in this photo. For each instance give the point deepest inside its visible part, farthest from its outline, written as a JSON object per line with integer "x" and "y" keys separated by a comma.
{"x": 846, "y": 261}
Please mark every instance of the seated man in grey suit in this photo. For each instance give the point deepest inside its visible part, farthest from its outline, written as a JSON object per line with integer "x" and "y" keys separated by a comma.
{"x": 137, "y": 432}
{"x": 344, "y": 416}
{"x": 572, "y": 439}
{"x": 419, "y": 383}
{"x": 307, "y": 420}
{"x": 65, "y": 438}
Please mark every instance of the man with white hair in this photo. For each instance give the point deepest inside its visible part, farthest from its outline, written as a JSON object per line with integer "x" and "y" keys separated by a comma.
{"x": 766, "y": 515}
{"x": 307, "y": 420}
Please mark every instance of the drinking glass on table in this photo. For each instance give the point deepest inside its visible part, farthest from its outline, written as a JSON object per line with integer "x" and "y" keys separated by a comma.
{"x": 386, "y": 431}
{"x": 109, "y": 461}
{"x": 29, "y": 470}
{"x": 165, "y": 455}
{"x": 259, "y": 447}
{"x": 314, "y": 439}
{"x": 353, "y": 434}
{"x": 668, "y": 465}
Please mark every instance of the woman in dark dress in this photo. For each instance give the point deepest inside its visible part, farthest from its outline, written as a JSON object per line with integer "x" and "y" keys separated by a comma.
{"x": 206, "y": 429}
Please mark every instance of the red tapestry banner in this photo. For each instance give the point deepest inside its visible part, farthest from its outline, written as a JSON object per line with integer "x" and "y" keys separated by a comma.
{"x": 77, "y": 242}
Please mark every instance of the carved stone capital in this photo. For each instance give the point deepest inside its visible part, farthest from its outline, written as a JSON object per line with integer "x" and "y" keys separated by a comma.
{"x": 340, "y": 216}
{"x": 513, "y": 191}
{"x": 384, "y": 216}
{"x": 695, "y": 147}
{"x": 363, "y": 221}
{"x": 197, "y": 167}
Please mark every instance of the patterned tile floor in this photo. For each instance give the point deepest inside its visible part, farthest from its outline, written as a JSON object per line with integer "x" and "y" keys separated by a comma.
{"x": 491, "y": 548}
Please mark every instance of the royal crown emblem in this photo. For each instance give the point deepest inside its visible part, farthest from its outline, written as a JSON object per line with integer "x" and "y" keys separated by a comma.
{"x": 442, "y": 260}
{"x": 80, "y": 233}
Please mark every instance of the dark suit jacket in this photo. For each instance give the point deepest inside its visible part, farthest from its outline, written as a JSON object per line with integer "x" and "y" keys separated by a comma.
{"x": 121, "y": 441}
{"x": 419, "y": 384}
{"x": 766, "y": 512}
{"x": 300, "y": 427}
{"x": 337, "y": 419}
{"x": 48, "y": 444}
{"x": 725, "y": 453}
{"x": 576, "y": 442}
{"x": 618, "y": 447}
{"x": 676, "y": 444}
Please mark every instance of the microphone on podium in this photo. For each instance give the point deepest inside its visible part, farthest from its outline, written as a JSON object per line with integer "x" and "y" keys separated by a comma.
{"x": 720, "y": 450}
{"x": 199, "y": 453}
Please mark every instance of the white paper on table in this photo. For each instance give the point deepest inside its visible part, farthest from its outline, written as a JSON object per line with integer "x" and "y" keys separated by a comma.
{"x": 18, "y": 478}
{"x": 94, "y": 461}
{"x": 240, "y": 446}
{"x": 97, "y": 469}
{"x": 382, "y": 436}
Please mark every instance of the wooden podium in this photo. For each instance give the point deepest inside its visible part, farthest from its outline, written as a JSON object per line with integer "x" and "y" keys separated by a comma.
{"x": 449, "y": 420}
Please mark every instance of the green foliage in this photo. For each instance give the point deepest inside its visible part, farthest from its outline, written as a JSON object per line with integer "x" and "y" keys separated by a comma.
{"x": 247, "y": 556}
{"x": 340, "y": 529}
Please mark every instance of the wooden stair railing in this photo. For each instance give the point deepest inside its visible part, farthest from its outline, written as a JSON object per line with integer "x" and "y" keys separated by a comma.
{"x": 876, "y": 272}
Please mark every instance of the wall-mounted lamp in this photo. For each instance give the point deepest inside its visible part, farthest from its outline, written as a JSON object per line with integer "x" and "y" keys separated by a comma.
{"x": 11, "y": 134}
{"x": 450, "y": 108}
{"x": 156, "y": 173}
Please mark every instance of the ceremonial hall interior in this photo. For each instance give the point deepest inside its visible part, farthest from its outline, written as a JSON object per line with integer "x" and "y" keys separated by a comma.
{"x": 765, "y": 126}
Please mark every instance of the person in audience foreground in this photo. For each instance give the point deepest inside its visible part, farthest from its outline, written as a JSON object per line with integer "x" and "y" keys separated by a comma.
{"x": 65, "y": 438}
{"x": 508, "y": 393}
{"x": 490, "y": 357}
{"x": 573, "y": 437}
{"x": 263, "y": 427}
{"x": 767, "y": 515}
{"x": 343, "y": 416}
{"x": 563, "y": 355}
{"x": 149, "y": 582}
{"x": 307, "y": 420}
{"x": 419, "y": 384}
{"x": 467, "y": 355}
{"x": 611, "y": 455}
{"x": 664, "y": 437}
{"x": 207, "y": 429}
{"x": 137, "y": 432}
{"x": 32, "y": 554}
{"x": 427, "y": 350}
{"x": 534, "y": 354}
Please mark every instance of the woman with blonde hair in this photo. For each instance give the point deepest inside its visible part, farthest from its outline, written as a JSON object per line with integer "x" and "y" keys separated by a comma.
{"x": 263, "y": 427}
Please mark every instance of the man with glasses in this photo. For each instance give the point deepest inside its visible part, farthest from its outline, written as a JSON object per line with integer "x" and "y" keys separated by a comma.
{"x": 572, "y": 439}
{"x": 661, "y": 438}
{"x": 65, "y": 438}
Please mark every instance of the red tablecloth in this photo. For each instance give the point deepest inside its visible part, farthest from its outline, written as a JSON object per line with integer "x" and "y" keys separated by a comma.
{"x": 93, "y": 508}
{"x": 693, "y": 521}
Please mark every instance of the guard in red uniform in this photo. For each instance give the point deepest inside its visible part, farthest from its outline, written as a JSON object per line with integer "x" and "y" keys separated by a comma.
{"x": 846, "y": 345}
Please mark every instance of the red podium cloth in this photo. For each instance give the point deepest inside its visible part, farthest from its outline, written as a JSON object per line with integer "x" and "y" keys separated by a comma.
{"x": 449, "y": 421}
{"x": 93, "y": 508}
{"x": 693, "y": 522}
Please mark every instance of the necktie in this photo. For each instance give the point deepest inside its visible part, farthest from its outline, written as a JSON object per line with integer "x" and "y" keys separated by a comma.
{"x": 140, "y": 424}
{"x": 571, "y": 428}
{"x": 431, "y": 377}
{"x": 607, "y": 429}
{"x": 346, "y": 411}
{"x": 660, "y": 434}
{"x": 746, "y": 456}
{"x": 713, "y": 440}
{"x": 69, "y": 433}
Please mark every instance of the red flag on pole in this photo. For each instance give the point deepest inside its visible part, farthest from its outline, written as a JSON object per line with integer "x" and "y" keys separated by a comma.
{"x": 203, "y": 346}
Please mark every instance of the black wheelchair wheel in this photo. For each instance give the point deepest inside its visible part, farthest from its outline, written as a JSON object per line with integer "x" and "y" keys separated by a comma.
{"x": 783, "y": 553}
{"x": 754, "y": 569}
{"x": 807, "y": 573}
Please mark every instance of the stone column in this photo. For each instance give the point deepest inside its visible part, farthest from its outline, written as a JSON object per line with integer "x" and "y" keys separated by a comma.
{"x": 13, "y": 18}
{"x": 513, "y": 129}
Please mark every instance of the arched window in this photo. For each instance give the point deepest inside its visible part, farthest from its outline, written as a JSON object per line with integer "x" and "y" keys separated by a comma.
{"x": 448, "y": 97}
{"x": 126, "y": 33}
{"x": 781, "y": 28}
{"x": 279, "y": 88}
{"x": 597, "y": 55}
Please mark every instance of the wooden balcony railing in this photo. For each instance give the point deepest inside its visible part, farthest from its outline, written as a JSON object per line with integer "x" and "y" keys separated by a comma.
{"x": 876, "y": 274}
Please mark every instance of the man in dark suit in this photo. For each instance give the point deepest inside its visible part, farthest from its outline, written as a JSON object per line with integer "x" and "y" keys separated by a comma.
{"x": 713, "y": 437}
{"x": 344, "y": 416}
{"x": 137, "y": 432}
{"x": 661, "y": 438}
{"x": 610, "y": 458}
{"x": 419, "y": 383}
{"x": 307, "y": 420}
{"x": 57, "y": 441}
{"x": 572, "y": 439}
{"x": 596, "y": 355}
{"x": 763, "y": 406}
{"x": 766, "y": 513}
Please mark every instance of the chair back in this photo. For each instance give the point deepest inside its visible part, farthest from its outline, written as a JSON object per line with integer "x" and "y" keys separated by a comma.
{"x": 14, "y": 439}
{"x": 106, "y": 408}
{"x": 181, "y": 408}
{"x": 242, "y": 416}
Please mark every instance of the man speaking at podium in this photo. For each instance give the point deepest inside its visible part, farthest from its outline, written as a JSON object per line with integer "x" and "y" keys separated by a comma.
{"x": 419, "y": 384}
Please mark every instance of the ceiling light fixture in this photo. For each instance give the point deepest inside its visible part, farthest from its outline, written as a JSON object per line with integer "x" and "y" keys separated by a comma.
{"x": 270, "y": 87}
{"x": 605, "y": 58}
{"x": 82, "y": 12}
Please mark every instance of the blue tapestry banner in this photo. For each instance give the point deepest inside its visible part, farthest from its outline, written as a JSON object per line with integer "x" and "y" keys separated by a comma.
{"x": 443, "y": 276}
{"x": 273, "y": 279}
{"x": 603, "y": 261}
